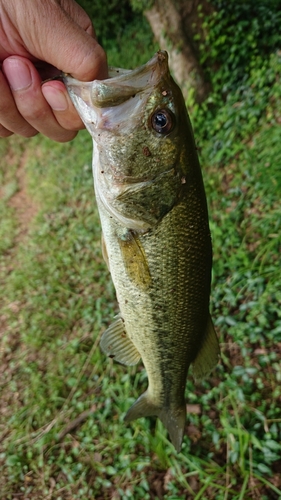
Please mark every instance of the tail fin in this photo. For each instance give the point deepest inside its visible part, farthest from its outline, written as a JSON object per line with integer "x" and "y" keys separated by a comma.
{"x": 172, "y": 418}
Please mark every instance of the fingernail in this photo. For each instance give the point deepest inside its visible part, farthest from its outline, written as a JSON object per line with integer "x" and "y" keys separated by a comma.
{"x": 55, "y": 98}
{"x": 18, "y": 74}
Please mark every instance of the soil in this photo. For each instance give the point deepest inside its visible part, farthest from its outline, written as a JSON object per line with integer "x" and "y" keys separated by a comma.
{"x": 24, "y": 205}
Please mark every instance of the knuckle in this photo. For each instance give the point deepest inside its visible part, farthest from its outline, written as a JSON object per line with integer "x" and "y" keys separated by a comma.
{"x": 4, "y": 108}
{"x": 33, "y": 114}
{"x": 65, "y": 137}
{"x": 72, "y": 127}
{"x": 69, "y": 121}
{"x": 5, "y": 132}
{"x": 24, "y": 129}
{"x": 29, "y": 133}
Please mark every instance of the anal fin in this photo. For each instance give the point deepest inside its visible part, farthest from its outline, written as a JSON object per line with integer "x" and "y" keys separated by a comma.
{"x": 116, "y": 344}
{"x": 208, "y": 355}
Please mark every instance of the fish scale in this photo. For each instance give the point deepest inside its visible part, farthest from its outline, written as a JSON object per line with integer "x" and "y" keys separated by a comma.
{"x": 156, "y": 237}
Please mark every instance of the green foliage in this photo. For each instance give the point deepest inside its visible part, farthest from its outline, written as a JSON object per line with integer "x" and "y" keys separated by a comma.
{"x": 123, "y": 33}
{"x": 109, "y": 18}
{"x": 241, "y": 58}
{"x": 135, "y": 47}
{"x": 141, "y": 5}
{"x": 227, "y": 126}
{"x": 246, "y": 230}
{"x": 240, "y": 37}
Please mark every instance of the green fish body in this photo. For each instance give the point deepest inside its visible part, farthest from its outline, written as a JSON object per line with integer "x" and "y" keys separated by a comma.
{"x": 156, "y": 238}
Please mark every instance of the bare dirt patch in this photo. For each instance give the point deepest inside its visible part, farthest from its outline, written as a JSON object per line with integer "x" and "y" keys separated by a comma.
{"x": 25, "y": 209}
{"x": 24, "y": 205}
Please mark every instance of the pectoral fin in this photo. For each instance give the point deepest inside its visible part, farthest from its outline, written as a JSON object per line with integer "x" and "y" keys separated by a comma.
{"x": 134, "y": 259}
{"x": 208, "y": 355}
{"x": 116, "y": 344}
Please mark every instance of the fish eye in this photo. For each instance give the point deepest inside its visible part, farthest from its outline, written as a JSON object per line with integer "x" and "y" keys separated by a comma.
{"x": 162, "y": 121}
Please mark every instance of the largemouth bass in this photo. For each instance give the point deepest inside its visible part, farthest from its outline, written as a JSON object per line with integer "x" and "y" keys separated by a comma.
{"x": 156, "y": 238}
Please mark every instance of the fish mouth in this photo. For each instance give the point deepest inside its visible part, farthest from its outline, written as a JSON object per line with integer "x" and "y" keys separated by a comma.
{"x": 94, "y": 100}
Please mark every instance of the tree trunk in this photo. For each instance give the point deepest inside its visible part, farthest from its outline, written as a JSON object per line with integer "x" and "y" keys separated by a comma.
{"x": 174, "y": 24}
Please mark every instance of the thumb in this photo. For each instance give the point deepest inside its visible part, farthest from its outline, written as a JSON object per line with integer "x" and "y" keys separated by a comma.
{"x": 79, "y": 55}
{"x": 59, "y": 37}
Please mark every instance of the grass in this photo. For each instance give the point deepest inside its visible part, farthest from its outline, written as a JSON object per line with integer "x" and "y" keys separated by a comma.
{"x": 62, "y": 434}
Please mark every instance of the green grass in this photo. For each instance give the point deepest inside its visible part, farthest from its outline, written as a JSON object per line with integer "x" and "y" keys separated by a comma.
{"x": 62, "y": 433}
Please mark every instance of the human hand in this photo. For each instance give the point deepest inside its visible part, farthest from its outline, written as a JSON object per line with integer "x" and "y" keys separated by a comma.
{"x": 36, "y": 37}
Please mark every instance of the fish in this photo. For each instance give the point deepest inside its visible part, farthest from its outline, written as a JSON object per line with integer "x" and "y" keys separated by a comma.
{"x": 155, "y": 233}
